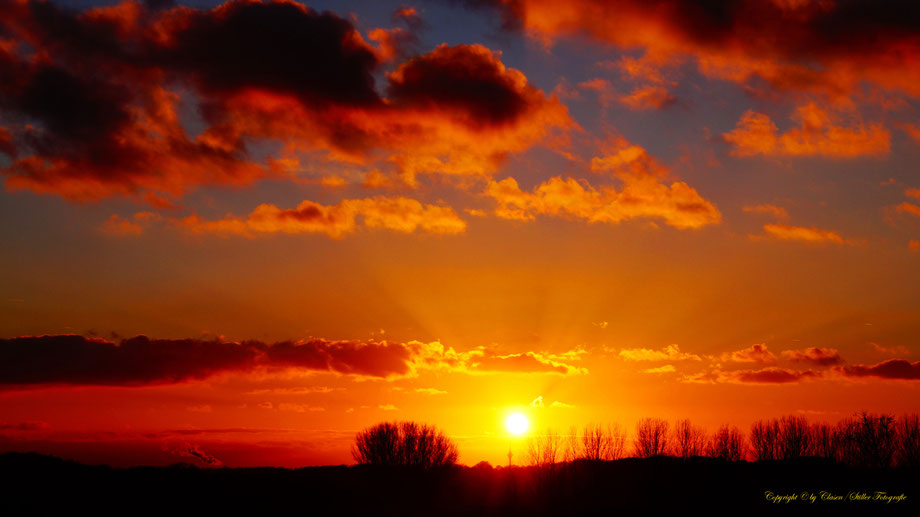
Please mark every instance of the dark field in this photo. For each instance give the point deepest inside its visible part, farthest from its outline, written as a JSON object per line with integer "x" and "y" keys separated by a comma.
{"x": 41, "y": 485}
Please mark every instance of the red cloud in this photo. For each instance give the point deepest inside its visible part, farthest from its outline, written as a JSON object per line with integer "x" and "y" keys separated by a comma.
{"x": 96, "y": 115}
{"x": 827, "y": 47}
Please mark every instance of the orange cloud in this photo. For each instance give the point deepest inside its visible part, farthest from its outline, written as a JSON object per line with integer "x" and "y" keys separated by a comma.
{"x": 776, "y": 211}
{"x": 121, "y": 227}
{"x": 913, "y": 245}
{"x": 815, "y": 355}
{"x": 908, "y": 208}
{"x": 400, "y": 214}
{"x": 648, "y": 97}
{"x": 769, "y": 375}
{"x": 817, "y": 135}
{"x": 802, "y": 234}
{"x": 642, "y": 195}
{"x": 755, "y": 354}
{"x": 668, "y": 353}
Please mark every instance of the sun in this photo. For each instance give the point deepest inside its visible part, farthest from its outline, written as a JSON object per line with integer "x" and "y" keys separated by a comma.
{"x": 517, "y": 423}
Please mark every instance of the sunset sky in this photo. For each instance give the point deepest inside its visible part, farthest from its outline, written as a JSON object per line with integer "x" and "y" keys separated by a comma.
{"x": 241, "y": 232}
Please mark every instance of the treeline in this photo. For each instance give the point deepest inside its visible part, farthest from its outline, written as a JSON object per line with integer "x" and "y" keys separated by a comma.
{"x": 865, "y": 440}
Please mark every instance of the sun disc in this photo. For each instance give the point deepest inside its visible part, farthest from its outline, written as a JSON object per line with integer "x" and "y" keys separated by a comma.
{"x": 517, "y": 423}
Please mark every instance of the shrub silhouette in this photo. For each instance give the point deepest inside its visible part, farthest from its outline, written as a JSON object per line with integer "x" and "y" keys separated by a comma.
{"x": 404, "y": 444}
{"x": 907, "y": 452}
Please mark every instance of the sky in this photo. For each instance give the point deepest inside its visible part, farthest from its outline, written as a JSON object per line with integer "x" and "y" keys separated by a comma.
{"x": 239, "y": 233}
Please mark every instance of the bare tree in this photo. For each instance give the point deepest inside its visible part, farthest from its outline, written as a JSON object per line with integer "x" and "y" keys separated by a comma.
{"x": 571, "y": 445}
{"x": 651, "y": 437}
{"x": 908, "y": 441}
{"x": 874, "y": 440}
{"x": 595, "y": 443}
{"x": 404, "y": 443}
{"x": 728, "y": 444}
{"x": 688, "y": 439}
{"x": 543, "y": 450}
{"x": 765, "y": 440}
{"x": 794, "y": 437}
{"x": 822, "y": 441}
{"x": 617, "y": 443}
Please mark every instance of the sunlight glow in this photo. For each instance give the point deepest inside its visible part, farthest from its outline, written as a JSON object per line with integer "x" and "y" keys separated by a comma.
{"x": 517, "y": 423}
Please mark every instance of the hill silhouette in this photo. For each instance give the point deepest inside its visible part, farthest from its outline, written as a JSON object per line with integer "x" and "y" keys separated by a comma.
{"x": 38, "y": 485}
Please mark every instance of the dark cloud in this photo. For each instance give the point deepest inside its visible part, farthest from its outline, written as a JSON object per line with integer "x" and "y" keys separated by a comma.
{"x": 140, "y": 361}
{"x": 890, "y": 369}
{"x": 822, "y": 45}
{"x": 91, "y": 100}
{"x": 467, "y": 78}
{"x": 348, "y": 357}
{"x": 70, "y": 359}
{"x": 283, "y": 47}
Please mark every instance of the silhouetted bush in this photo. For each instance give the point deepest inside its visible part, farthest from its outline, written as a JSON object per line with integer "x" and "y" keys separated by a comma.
{"x": 651, "y": 438}
{"x": 728, "y": 444}
{"x": 688, "y": 440}
{"x": 404, "y": 443}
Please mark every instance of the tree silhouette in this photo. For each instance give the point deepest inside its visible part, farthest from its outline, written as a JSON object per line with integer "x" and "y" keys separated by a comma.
{"x": 728, "y": 444}
{"x": 404, "y": 444}
{"x": 651, "y": 437}
{"x": 689, "y": 440}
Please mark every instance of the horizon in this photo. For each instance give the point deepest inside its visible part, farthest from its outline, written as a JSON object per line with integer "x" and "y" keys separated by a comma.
{"x": 248, "y": 230}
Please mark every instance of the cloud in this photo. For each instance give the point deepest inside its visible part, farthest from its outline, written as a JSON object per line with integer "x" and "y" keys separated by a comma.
{"x": 826, "y": 47}
{"x": 668, "y": 353}
{"x": 388, "y": 407}
{"x": 908, "y": 208}
{"x": 661, "y": 369}
{"x": 141, "y": 361}
{"x": 430, "y": 391}
{"x": 798, "y": 233}
{"x": 890, "y": 369}
{"x": 817, "y": 135}
{"x": 123, "y": 227}
{"x": 894, "y": 350}
{"x": 559, "y": 404}
{"x": 537, "y": 402}
{"x": 91, "y": 99}
{"x": 769, "y": 375}
{"x": 69, "y": 359}
{"x": 754, "y": 354}
{"x": 398, "y": 213}
{"x": 815, "y": 355}
{"x": 648, "y": 97}
{"x": 642, "y": 195}
{"x": 528, "y": 362}
{"x": 776, "y": 211}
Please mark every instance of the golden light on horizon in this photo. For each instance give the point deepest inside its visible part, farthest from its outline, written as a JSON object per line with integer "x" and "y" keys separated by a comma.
{"x": 517, "y": 423}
